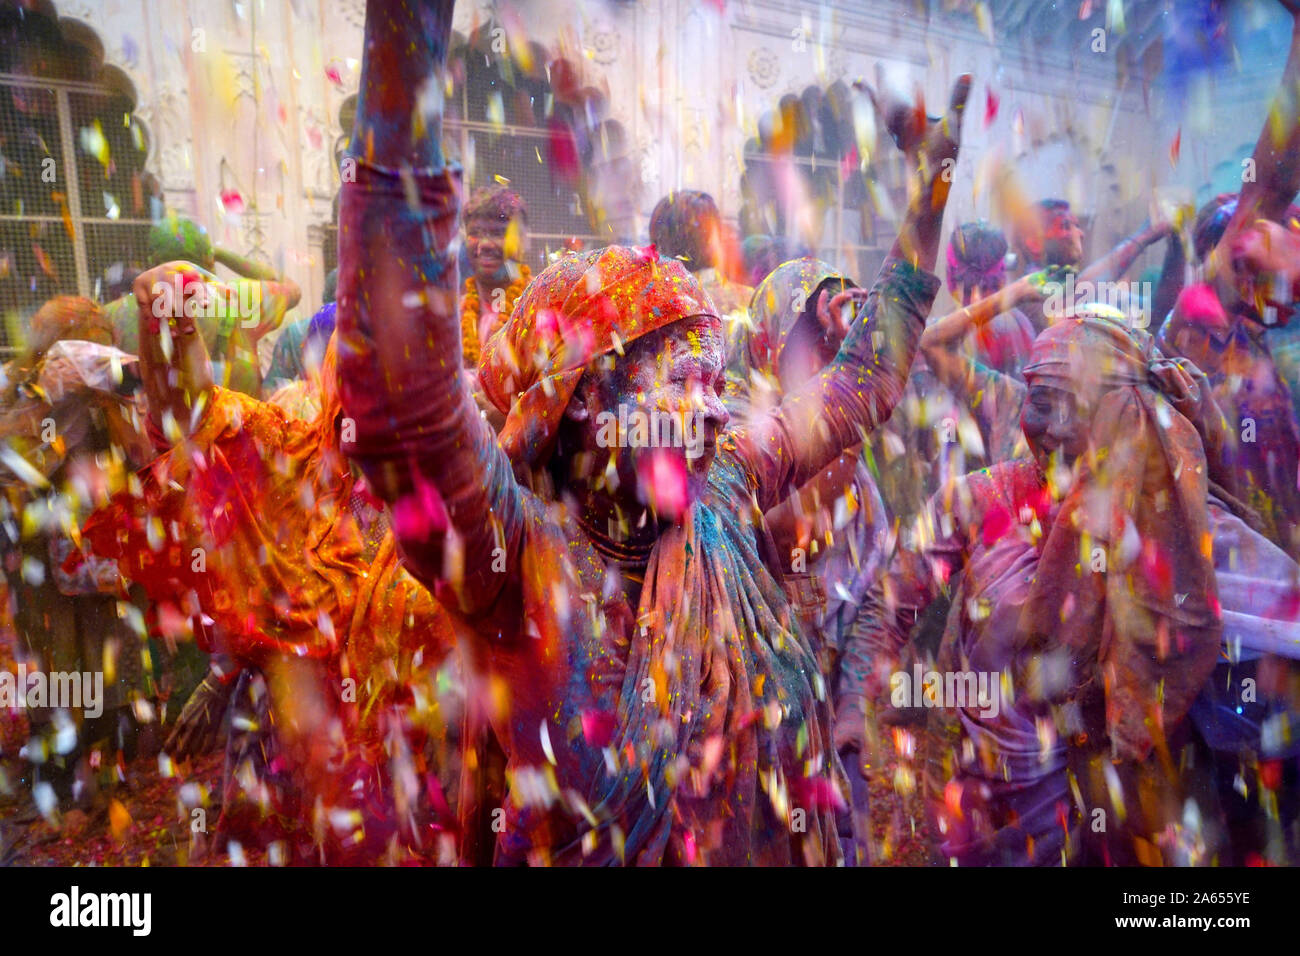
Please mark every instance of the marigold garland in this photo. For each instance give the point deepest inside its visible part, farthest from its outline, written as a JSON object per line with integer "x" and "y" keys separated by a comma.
{"x": 469, "y": 311}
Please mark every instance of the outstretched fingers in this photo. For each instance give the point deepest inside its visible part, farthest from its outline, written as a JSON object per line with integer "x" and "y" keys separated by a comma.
{"x": 906, "y": 122}
{"x": 957, "y": 107}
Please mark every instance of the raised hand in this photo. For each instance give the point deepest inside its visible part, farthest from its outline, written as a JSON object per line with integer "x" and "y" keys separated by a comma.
{"x": 929, "y": 139}
{"x": 931, "y": 145}
{"x": 938, "y": 148}
{"x": 399, "y": 105}
{"x": 174, "y": 363}
{"x": 834, "y": 313}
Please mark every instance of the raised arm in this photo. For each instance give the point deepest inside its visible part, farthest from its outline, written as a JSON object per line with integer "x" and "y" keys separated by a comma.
{"x": 943, "y": 341}
{"x": 250, "y": 268}
{"x": 859, "y": 389}
{"x": 416, "y": 431}
{"x": 793, "y": 523}
{"x": 1173, "y": 274}
{"x": 1275, "y": 160}
{"x": 276, "y": 294}
{"x": 274, "y": 299}
{"x": 1118, "y": 261}
{"x": 174, "y": 366}
{"x": 237, "y": 337}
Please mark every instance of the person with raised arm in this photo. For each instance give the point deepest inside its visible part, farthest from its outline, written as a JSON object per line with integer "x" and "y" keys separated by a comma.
{"x": 1256, "y": 582}
{"x": 1049, "y": 239}
{"x": 1068, "y": 653}
{"x": 255, "y": 302}
{"x": 252, "y": 525}
{"x": 1222, "y": 323}
{"x": 654, "y": 696}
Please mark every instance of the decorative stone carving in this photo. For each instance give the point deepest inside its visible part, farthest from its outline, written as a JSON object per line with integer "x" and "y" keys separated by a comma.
{"x": 318, "y": 139}
{"x": 245, "y": 75}
{"x": 647, "y": 165}
{"x": 253, "y": 227}
{"x": 354, "y": 12}
{"x": 603, "y": 41}
{"x": 693, "y": 132}
{"x": 168, "y": 117}
{"x": 837, "y": 63}
{"x": 764, "y": 67}
{"x": 731, "y": 196}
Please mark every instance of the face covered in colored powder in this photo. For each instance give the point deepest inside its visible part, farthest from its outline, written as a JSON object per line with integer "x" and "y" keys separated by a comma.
{"x": 1266, "y": 268}
{"x": 654, "y": 414}
{"x": 1062, "y": 239}
{"x": 1055, "y": 429}
{"x": 490, "y": 241}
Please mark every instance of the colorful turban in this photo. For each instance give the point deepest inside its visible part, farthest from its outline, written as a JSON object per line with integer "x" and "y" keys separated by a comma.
{"x": 577, "y": 309}
{"x": 69, "y": 317}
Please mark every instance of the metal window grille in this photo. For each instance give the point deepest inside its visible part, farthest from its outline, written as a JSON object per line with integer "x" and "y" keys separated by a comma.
{"x": 852, "y": 214}
{"x": 518, "y": 156}
{"x": 74, "y": 219}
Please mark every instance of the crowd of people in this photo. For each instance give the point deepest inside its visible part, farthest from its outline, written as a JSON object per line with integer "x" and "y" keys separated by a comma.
{"x": 405, "y": 562}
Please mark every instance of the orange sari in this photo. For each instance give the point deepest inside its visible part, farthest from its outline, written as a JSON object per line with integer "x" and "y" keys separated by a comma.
{"x": 257, "y": 523}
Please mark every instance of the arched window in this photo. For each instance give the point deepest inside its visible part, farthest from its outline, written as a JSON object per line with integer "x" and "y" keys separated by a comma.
{"x": 75, "y": 200}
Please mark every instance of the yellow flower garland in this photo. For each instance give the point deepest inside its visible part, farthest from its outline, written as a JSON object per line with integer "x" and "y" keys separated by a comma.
{"x": 469, "y": 311}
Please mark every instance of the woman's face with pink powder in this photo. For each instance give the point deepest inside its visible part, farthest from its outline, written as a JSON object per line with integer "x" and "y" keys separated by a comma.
{"x": 1266, "y": 265}
{"x": 655, "y": 416}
